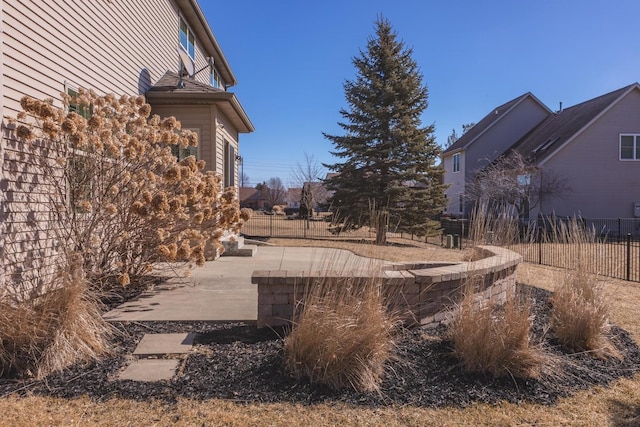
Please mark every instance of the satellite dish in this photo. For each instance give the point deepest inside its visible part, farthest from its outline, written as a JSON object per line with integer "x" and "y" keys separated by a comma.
{"x": 186, "y": 61}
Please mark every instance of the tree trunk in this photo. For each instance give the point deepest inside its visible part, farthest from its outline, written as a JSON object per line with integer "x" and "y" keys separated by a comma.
{"x": 380, "y": 223}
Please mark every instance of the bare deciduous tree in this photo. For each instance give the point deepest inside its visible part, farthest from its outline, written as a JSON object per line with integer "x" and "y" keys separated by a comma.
{"x": 274, "y": 191}
{"x": 511, "y": 182}
{"x": 307, "y": 176}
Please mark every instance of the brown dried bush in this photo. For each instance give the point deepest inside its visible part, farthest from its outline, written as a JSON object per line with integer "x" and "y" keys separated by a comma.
{"x": 59, "y": 328}
{"x": 580, "y": 314}
{"x": 495, "y": 339}
{"x": 115, "y": 190}
{"x": 343, "y": 336}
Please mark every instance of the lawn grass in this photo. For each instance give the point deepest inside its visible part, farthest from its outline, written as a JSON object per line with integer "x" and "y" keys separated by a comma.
{"x": 617, "y": 405}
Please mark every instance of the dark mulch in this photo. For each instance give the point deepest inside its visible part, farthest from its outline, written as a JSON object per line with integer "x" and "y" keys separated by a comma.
{"x": 238, "y": 362}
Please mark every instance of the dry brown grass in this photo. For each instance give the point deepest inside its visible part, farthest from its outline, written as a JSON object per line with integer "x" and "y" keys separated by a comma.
{"x": 580, "y": 314}
{"x": 49, "y": 333}
{"x": 496, "y": 339}
{"x": 616, "y": 405}
{"x": 343, "y": 336}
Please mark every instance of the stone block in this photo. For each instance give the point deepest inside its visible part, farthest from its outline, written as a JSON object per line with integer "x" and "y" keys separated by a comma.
{"x": 265, "y": 310}
{"x": 271, "y": 298}
{"x": 282, "y": 310}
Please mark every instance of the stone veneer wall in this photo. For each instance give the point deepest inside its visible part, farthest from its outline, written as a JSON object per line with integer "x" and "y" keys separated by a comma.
{"x": 423, "y": 292}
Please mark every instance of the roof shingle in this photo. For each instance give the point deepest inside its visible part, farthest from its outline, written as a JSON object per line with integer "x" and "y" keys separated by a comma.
{"x": 556, "y": 129}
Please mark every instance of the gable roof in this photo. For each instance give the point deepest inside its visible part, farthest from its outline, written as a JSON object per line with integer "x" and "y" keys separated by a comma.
{"x": 250, "y": 194}
{"x": 560, "y": 128}
{"x": 166, "y": 92}
{"x": 489, "y": 121}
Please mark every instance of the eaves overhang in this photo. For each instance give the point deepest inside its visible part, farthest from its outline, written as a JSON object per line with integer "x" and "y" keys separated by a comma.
{"x": 227, "y": 102}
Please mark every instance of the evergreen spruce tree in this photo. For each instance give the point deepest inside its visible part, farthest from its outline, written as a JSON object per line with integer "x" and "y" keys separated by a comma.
{"x": 388, "y": 175}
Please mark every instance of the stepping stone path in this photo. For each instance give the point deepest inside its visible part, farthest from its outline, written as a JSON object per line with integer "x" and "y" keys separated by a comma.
{"x": 158, "y": 357}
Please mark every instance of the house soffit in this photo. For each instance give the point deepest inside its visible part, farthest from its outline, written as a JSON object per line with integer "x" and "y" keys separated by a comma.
{"x": 167, "y": 92}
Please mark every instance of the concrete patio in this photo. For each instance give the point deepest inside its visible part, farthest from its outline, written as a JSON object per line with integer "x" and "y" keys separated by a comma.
{"x": 221, "y": 290}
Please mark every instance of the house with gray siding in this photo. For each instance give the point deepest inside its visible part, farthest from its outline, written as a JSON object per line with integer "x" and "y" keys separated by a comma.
{"x": 594, "y": 147}
{"x": 163, "y": 49}
{"x": 486, "y": 141}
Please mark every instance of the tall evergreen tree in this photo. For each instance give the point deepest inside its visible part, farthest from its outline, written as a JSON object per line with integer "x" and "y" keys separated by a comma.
{"x": 388, "y": 156}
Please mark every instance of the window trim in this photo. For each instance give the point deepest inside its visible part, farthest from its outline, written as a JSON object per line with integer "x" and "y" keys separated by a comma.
{"x": 72, "y": 91}
{"x": 456, "y": 162}
{"x": 189, "y": 32}
{"x": 180, "y": 153}
{"x": 229, "y": 164}
{"x": 214, "y": 77}
{"x": 635, "y": 150}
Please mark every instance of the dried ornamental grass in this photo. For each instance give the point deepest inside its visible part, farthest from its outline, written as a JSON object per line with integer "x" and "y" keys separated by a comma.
{"x": 59, "y": 328}
{"x": 580, "y": 314}
{"x": 496, "y": 339}
{"x": 343, "y": 336}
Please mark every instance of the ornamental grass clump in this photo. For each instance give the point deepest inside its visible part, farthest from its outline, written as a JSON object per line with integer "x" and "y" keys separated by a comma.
{"x": 580, "y": 314}
{"x": 48, "y": 333}
{"x": 343, "y": 336}
{"x": 495, "y": 339}
{"x": 117, "y": 188}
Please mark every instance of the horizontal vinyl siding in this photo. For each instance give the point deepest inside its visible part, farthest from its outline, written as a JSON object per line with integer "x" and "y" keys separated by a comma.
{"x": 506, "y": 132}
{"x": 92, "y": 44}
{"x": 98, "y": 44}
{"x": 602, "y": 186}
{"x": 194, "y": 117}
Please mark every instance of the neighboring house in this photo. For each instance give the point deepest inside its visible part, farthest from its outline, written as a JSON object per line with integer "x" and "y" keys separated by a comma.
{"x": 485, "y": 142}
{"x": 252, "y": 198}
{"x": 593, "y": 146}
{"x": 293, "y": 197}
{"x": 123, "y": 47}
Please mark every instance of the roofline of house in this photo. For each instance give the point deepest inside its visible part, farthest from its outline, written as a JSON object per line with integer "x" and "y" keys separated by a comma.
{"x": 585, "y": 127}
{"x": 190, "y": 98}
{"x": 522, "y": 98}
{"x": 193, "y": 13}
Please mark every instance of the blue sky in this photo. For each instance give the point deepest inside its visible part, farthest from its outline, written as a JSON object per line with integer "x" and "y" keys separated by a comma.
{"x": 291, "y": 58}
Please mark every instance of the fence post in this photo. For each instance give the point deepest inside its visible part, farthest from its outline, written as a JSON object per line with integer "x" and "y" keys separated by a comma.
{"x": 271, "y": 225}
{"x": 540, "y": 245}
{"x": 619, "y": 229}
{"x": 628, "y": 257}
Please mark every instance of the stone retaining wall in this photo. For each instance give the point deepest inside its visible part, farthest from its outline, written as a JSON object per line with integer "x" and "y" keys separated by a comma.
{"x": 423, "y": 292}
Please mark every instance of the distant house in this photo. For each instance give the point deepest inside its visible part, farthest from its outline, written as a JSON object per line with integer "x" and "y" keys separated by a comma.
{"x": 594, "y": 146}
{"x": 252, "y": 198}
{"x": 486, "y": 141}
{"x": 164, "y": 49}
{"x": 292, "y": 198}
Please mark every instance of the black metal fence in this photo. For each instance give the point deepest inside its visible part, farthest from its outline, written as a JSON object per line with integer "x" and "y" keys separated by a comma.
{"x": 606, "y": 246}
{"x": 612, "y": 248}
{"x": 261, "y": 225}
{"x": 618, "y": 258}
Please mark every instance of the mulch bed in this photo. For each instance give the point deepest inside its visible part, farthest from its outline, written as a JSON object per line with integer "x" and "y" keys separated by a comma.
{"x": 238, "y": 362}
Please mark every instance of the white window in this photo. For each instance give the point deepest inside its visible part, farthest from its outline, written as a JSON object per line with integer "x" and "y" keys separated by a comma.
{"x": 629, "y": 146}
{"x": 456, "y": 162}
{"x": 214, "y": 77}
{"x": 187, "y": 39}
